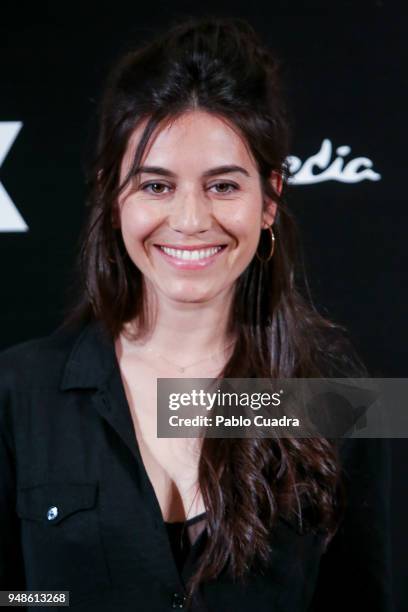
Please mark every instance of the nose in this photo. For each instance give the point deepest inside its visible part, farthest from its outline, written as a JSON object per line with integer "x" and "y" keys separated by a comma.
{"x": 191, "y": 212}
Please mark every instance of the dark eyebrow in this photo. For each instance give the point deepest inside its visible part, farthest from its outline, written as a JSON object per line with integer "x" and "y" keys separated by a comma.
{"x": 210, "y": 172}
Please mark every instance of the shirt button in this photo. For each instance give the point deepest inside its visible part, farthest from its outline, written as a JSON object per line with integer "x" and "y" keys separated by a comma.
{"x": 52, "y": 513}
{"x": 178, "y": 600}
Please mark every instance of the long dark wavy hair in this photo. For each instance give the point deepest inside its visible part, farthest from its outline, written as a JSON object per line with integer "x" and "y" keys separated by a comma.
{"x": 221, "y": 66}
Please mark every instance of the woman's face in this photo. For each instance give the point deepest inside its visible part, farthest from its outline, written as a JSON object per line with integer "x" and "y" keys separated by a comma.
{"x": 191, "y": 219}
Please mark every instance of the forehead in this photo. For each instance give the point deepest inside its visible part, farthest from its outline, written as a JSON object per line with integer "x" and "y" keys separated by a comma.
{"x": 194, "y": 138}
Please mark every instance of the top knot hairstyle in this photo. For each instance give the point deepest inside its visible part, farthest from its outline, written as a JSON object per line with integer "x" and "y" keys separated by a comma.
{"x": 219, "y": 65}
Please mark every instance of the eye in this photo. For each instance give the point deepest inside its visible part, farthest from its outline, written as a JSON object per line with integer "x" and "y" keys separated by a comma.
{"x": 225, "y": 187}
{"x": 154, "y": 185}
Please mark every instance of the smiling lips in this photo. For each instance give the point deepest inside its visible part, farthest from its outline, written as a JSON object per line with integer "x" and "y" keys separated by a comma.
{"x": 190, "y": 257}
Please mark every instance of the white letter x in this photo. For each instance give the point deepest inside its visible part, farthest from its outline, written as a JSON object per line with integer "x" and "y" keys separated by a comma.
{"x": 10, "y": 218}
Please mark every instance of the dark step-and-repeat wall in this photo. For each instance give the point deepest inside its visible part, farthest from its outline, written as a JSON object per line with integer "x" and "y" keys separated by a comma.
{"x": 346, "y": 83}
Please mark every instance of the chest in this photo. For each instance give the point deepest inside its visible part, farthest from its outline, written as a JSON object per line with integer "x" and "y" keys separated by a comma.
{"x": 170, "y": 463}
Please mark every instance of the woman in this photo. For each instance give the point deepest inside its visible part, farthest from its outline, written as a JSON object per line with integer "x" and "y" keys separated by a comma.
{"x": 189, "y": 268}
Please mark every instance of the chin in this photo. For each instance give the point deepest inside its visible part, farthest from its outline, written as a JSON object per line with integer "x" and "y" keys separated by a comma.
{"x": 189, "y": 296}
{"x": 190, "y": 299}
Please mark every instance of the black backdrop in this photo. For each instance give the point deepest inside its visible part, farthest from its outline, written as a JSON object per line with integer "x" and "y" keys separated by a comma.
{"x": 347, "y": 86}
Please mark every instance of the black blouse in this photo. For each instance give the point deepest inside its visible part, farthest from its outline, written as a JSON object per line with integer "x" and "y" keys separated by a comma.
{"x": 182, "y": 535}
{"x": 79, "y": 513}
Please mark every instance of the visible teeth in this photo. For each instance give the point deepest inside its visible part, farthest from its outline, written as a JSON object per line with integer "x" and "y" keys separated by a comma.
{"x": 191, "y": 255}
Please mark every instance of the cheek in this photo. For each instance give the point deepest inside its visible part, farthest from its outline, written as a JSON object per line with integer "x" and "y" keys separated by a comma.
{"x": 136, "y": 224}
{"x": 244, "y": 224}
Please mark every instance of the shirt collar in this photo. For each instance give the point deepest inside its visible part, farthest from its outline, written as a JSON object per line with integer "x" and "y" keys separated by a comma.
{"x": 91, "y": 359}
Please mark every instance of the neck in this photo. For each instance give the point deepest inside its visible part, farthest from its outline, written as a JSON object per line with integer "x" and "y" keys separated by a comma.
{"x": 183, "y": 329}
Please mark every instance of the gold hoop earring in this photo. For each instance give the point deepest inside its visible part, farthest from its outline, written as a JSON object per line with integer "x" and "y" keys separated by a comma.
{"x": 272, "y": 249}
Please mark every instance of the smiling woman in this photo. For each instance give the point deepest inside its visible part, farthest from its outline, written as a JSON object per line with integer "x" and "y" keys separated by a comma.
{"x": 206, "y": 216}
{"x": 188, "y": 267}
